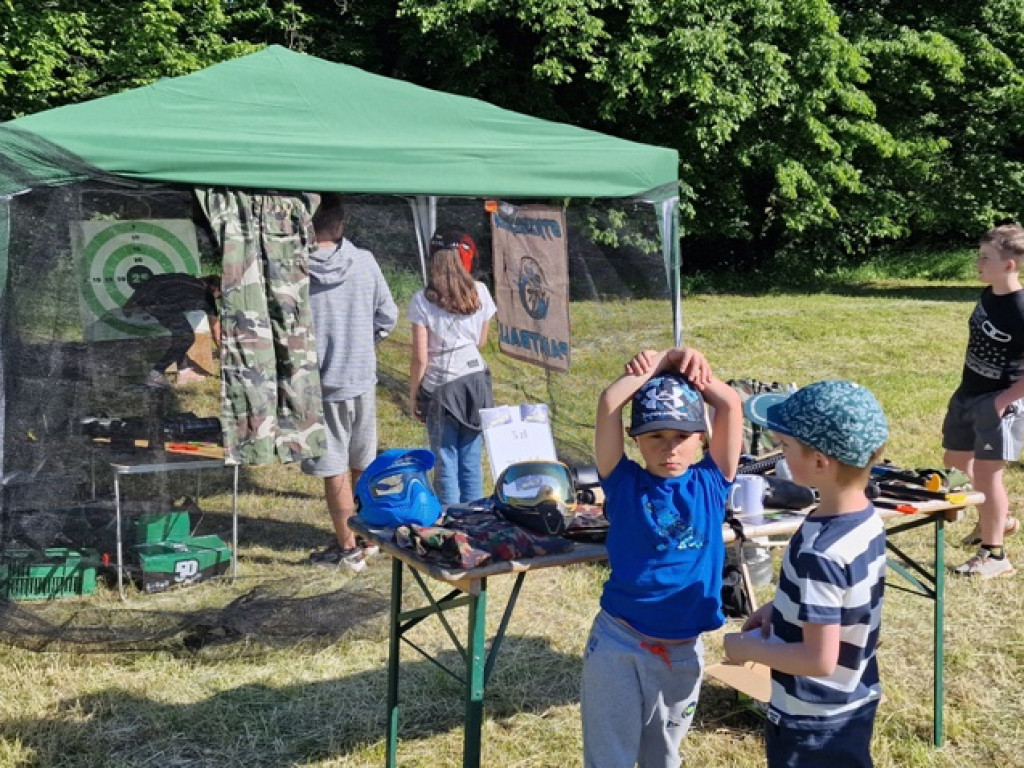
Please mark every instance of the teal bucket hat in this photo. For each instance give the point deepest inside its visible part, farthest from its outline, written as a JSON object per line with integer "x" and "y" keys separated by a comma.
{"x": 837, "y": 417}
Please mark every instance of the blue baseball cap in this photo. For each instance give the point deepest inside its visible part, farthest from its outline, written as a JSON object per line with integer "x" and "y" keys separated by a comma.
{"x": 668, "y": 401}
{"x": 839, "y": 418}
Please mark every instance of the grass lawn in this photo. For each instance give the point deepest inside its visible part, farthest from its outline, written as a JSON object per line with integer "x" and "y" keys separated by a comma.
{"x": 287, "y": 665}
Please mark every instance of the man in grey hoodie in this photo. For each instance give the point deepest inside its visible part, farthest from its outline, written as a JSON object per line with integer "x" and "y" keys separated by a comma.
{"x": 352, "y": 311}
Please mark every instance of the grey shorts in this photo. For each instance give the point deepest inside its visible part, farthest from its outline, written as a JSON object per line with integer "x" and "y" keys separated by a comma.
{"x": 972, "y": 425}
{"x": 351, "y": 437}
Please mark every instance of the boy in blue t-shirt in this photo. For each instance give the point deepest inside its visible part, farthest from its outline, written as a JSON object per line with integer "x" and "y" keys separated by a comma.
{"x": 644, "y": 659}
{"x": 820, "y": 633}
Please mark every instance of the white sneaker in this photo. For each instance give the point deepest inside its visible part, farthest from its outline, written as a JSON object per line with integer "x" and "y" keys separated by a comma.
{"x": 985, "y": 566}
{"x": 156, "y": 380}
{"x": 973, "y": 539}
{"x": 369, "y": 548}
{"x": 188, "y": 376}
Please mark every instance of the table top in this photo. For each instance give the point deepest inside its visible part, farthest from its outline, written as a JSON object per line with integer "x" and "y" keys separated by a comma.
{"x": 384, "y": 537}
{"x": 776, "y": 522}
{"x": 780, "y": 522}
{"x": 170, "y": 457}
{"x": 145, "y": 461}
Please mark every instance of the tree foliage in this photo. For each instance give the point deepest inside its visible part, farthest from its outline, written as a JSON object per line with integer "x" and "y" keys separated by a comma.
{"x": 55, "y": 52}
{"x": 824, "y": 128}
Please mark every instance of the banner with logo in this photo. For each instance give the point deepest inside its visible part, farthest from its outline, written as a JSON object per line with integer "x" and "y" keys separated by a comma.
{"x": 531, "y": 282}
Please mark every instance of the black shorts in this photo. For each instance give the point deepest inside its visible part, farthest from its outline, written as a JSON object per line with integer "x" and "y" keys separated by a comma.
{"x": 972, "y": 424}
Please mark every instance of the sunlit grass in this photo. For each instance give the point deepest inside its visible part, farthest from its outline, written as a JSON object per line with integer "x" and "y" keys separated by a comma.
{"x": 304, "y": 684}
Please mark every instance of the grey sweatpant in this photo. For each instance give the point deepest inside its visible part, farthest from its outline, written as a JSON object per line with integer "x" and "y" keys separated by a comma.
{"x": 638, "y": 698}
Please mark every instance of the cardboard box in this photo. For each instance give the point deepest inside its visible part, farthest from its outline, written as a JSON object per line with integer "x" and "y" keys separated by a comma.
{"x": 753, "y": 680}
{"x": 179, "y": 563}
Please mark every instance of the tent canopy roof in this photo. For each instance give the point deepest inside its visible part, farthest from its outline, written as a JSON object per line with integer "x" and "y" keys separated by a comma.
{"x": 278, "y": 119}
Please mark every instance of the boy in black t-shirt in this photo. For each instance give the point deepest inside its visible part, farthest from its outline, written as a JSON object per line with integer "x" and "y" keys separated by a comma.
{"x": 984, "y": 424}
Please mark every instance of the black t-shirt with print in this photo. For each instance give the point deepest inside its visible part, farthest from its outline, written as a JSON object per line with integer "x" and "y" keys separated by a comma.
{"x": 995, "y": 347}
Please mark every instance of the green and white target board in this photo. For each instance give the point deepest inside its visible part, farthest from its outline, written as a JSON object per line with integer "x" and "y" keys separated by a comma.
{"x": 114, "y": 257}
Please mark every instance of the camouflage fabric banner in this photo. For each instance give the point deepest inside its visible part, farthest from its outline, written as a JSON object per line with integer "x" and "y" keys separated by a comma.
{"x": 271, "y": 407}
{"x": 531, "y": 284}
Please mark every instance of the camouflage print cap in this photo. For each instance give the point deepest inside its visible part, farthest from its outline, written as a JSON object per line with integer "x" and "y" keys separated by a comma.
{"x": 668, "y": 401}
{"x": 839, "y": 418}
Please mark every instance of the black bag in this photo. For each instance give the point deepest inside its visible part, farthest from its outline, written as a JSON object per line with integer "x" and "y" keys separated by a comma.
{"x": 545, "y": 517}
{"x": 735, "y": 600}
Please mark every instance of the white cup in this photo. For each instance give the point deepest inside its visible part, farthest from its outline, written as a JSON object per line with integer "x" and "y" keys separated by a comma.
{"x": 747, "y": 497}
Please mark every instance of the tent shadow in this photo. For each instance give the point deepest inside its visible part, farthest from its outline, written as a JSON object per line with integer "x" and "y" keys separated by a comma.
{"x": 291, "y": 724}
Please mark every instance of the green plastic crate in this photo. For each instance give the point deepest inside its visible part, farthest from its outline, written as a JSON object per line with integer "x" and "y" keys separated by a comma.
{"x": 158, "y": 527}
{"x": 25, "y": 575}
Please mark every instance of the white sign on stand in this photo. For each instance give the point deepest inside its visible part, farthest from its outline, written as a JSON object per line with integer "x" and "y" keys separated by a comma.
{"x": 515, "y": 433}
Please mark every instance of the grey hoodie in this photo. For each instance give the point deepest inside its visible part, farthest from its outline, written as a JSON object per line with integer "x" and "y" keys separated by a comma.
{"x": 351, "y": 306}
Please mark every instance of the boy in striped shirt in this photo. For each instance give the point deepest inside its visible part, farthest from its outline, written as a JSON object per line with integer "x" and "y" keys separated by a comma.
{"x": 820, "y": 632}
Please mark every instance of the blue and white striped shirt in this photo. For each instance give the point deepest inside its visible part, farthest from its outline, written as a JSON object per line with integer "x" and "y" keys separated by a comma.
{"x": 833, "y": 572}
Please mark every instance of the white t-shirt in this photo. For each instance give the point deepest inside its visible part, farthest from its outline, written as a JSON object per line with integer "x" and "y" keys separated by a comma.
{"x": 451, "y": 339}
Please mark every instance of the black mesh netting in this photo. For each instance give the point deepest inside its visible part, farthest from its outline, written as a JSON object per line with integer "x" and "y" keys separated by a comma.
{"x": 274, "y": 613}
{"x": 73, "y": 385}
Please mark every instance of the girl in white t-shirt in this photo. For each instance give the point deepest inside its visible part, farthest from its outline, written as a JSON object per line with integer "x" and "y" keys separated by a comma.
{"x": 449, "y": 382}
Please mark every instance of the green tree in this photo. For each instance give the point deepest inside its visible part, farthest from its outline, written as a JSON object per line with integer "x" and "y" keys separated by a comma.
{"x": 949, "y": 83}
{"x": 55, "y": 52}
{"x": 763, "y": 99}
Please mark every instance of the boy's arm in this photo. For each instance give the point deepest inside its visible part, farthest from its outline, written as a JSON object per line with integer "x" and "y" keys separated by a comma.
{"x": 1009, "y": 396}
{"x": 417, "y": 368}
{"x": 726, "y": 425}
{"x": 609, "y": 443}
{"x": 385, "y": 315}
{"x": 816, "y": 656}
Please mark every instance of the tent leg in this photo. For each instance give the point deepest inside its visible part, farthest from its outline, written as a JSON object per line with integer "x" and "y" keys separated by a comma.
{"x": 424, "y": 214}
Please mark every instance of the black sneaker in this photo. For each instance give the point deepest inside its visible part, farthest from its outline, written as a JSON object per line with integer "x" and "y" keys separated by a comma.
{"x": 333, "y": 556}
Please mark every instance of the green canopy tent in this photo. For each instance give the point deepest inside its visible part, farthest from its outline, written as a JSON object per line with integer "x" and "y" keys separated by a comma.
{"x": 278, "y": 120}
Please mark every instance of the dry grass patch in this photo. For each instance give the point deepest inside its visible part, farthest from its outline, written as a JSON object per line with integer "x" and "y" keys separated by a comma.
{"x": 287, "y": 666}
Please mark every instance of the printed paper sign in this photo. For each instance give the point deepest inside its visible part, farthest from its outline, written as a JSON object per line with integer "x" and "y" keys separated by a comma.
{"x": 531, "y": 280}
{"x": 517, "y": 433}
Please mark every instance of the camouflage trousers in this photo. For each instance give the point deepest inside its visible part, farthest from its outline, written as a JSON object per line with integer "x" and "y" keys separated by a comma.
{"x": 270, "y": 381}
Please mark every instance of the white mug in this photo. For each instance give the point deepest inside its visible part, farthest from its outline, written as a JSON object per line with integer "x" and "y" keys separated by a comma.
{"x": 747, "y": 497}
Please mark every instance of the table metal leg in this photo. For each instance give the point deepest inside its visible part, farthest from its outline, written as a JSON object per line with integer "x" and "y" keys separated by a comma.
{"x": 475, "y": 662}
{"x": 939, "y": 630}
{"x": 234, "y": 523}
{"x": 394, "y": 650}
{"x": 932, "y": 585}
{"x": 120, "y": 546}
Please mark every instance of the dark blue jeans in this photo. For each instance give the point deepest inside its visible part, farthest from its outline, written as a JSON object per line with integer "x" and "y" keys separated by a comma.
{"x": 845, "y": 745}
{"x": 458, "y": 475}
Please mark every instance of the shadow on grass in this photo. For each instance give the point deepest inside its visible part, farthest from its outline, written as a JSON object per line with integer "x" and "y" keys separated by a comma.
{"x": 288, "y": 724}
{"x": 274, "y": 614}
{"x": 292, "y": 723}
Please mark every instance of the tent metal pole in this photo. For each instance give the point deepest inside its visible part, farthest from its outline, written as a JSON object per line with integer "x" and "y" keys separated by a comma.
{"x": 668, "y": 224}
{"x": 424, "y": 214}
{"x": 5, "y": 231}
